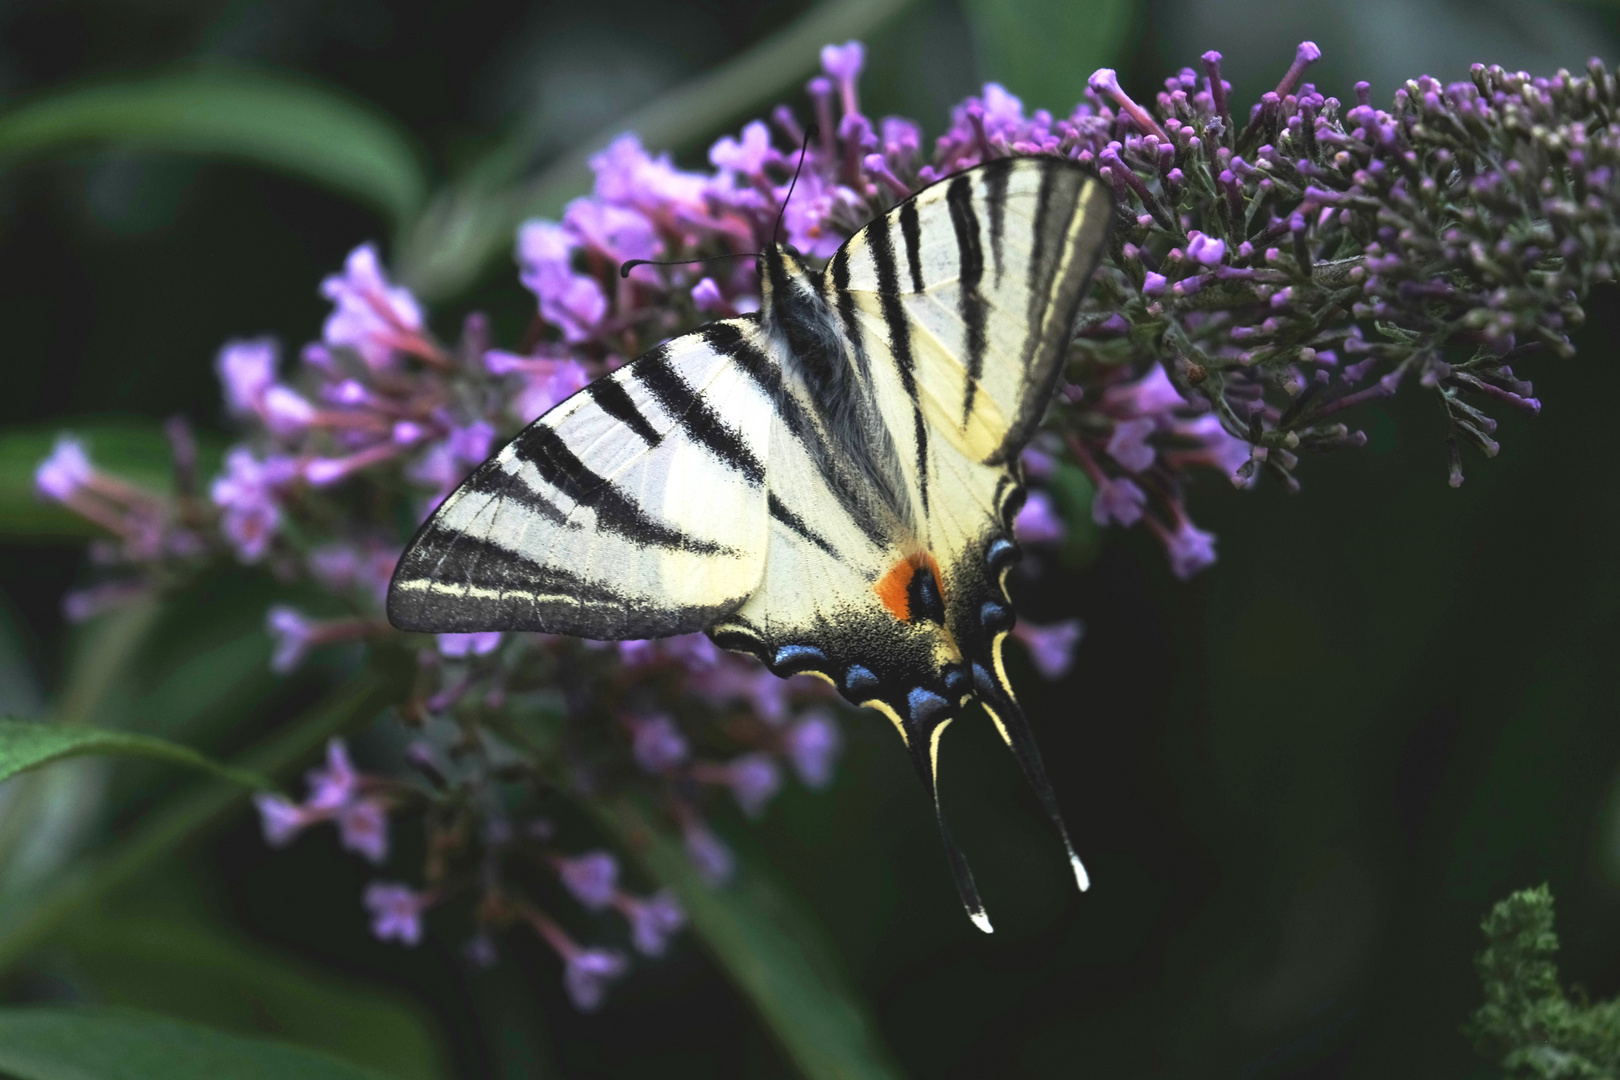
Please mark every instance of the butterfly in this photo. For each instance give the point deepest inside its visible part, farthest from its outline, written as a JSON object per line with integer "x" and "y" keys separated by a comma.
{"x": 827, "y": 484}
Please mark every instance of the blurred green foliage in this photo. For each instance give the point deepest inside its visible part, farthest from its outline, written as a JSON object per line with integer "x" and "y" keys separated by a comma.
{"x": 1296, "y": 781}
{"x": 45, "y": 1043}
{"x": 1528, "y": 1023}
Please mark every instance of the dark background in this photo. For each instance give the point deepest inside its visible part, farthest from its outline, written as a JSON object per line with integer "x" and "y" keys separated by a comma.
{"x": 1299, "y": 781}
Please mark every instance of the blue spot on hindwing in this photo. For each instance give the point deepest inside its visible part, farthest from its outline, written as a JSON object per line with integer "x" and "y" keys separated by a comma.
{"x": 925, "y": 704}
{"x": 797, "y": 658}
{"x": 859, "y": 678}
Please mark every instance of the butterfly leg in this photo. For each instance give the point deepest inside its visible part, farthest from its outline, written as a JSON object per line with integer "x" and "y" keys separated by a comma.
{"x": 998, "y": 701}
{"x": 923, "y": 743}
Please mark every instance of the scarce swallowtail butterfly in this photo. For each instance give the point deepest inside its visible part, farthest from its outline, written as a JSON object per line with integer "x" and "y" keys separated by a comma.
{"x": 828, "y": 484}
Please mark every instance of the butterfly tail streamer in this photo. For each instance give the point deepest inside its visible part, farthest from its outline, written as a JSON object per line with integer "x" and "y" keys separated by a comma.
{"x": 924, "y": 747}
{"x": 1014, "y": 726}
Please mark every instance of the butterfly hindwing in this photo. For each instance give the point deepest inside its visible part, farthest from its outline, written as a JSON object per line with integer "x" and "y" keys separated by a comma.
{"x": 635, "y": 508}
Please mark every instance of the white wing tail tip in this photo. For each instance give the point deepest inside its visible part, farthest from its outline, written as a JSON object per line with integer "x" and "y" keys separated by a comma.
{"x": 1080, "y": 874}
{"x": 982, "y": 921}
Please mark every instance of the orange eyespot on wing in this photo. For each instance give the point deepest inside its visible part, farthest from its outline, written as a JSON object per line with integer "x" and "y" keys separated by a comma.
{"x": 907, "y": 598}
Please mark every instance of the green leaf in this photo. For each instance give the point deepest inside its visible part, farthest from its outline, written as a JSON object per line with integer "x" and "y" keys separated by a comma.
{"x": 27, "y": 744}
{"x": 264, "y": 118}
{"x": 28, "y": 919}
{"x": 1045, "y": 50}
{"x": 470, "y": 225}
{"x": 130, "y": 448}
{"x": 774, "y": 951}
{"x": 184, "y": 964}
{"x": 88, "y": 1043}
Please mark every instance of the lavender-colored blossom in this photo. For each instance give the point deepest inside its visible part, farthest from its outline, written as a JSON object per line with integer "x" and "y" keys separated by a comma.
{"x": 1038, "y": 464}
{"x": 653, "y": 920}
{"x": 396, "y": 912}
{"x": 246, "y": 495}
{"x": 812, "y": 745}
{"x": 478, "y": 643}
{"x": 246, "y": 370}
{"x": 657, "y": 744}
{"x": 363, "y": 829}
{"x": 747, "y": 156}
{"x": 592, "y": 878}
{"x": 1038, "y": 522}
{"x": 618, "y": 232}
{"x": 1118, "y": 502}
{"x": 280, "y": 818}
{"x": 1151, "y": 395}
{"x": 755, "y": 780}
{"x": 805, "y": 217}
{"x": 710, "y": 856}
{"x": 291, "y": 634}
{"x": 1208, "y": 250}
{"x": 335, "y": 784}
{"x": 1128, "y": 444}
{"x": 706, "y": 296}
{"x": 371, "y": 315}
{"x": 572, "y": 302}
{"x": 61, "y": 475}
{"x": 543, "y": 391}
{"x": 1191, "y": 549}
{"x": 586, "y": 975}
{"x": 470, "y": 443}
{"x": 1051, "y": 647}
{"x": 626, "y": 175}
{"x": 285, "y": 412}
{"x": 735, "y": 679}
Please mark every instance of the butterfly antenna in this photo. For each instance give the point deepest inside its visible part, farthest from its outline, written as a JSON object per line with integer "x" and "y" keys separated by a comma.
{"x": 1014, "y": 727}
{"x": 923, "y": 743}
{"x": 809, "y": 133}
{"x": 630, "y": 264}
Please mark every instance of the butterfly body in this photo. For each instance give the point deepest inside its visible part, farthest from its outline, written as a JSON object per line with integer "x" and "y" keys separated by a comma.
{"x": 828, "y": 485}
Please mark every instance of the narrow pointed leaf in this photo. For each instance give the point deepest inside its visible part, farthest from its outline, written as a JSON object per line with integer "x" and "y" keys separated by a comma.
{"x": 88, "y": 1043}
{"x": 27, "y": 744}
{"x": 263, "y": 118}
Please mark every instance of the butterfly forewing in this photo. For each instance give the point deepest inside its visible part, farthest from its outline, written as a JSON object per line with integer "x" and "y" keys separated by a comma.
{"x": 972, "y": 288}
{"x": 636, "y": 508}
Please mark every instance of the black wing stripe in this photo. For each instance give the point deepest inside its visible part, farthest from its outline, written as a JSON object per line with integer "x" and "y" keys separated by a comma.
{"x": 1044, "y": 258}
{"x": 780, "y": 512}
{"x": 971, "y": 304}
{"x": 558, "y": 466}
{"x": 615, "y": 401}
{"x": 682, "y": 402}
{"x": 494, "y": 481}
{"x": 911, "y": 235}
{"x": 732, "y": 343}
{"x": 881, "y": 244}
{"x": 846, "y": 299}
{"x": 996, "y": 174}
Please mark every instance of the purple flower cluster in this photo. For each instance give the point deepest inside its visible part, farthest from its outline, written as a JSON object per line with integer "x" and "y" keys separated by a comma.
{"x": 1286, "y": 266}
{"x": 339, "y": 794}
{"x": 1268, "y": 272}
